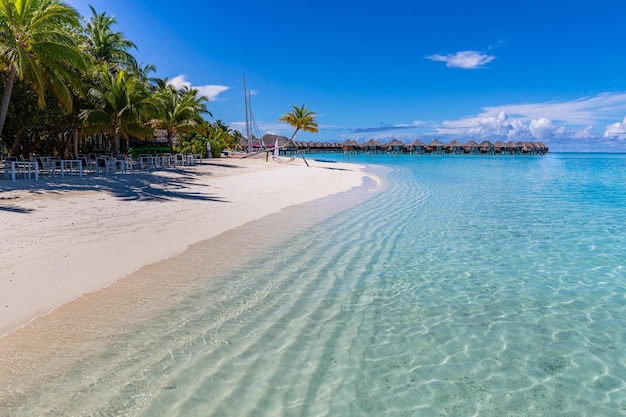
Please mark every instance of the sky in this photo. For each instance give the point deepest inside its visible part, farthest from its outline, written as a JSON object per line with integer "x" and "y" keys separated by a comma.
{"x": 540, "y": 70}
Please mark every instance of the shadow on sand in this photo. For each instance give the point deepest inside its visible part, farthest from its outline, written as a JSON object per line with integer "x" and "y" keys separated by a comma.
{"x": 137, "y": 186}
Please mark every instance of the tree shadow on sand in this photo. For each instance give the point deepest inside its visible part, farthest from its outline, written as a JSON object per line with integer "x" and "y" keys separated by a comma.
{"x": 139, "y": 186}
{"x": 14, "y": 209}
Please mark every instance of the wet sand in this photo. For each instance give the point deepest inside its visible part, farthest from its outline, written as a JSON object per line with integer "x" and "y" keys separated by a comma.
{"x": 63, "y": 238}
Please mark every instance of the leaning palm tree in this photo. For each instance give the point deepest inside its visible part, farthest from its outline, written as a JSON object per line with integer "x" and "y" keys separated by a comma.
{"x": 36, "y": 46}
{"x": 301, "y": 119}
{"x": 118, "y": 104}
{"x": 178, "y": 110}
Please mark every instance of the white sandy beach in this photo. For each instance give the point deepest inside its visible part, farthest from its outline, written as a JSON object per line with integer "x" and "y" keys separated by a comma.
{"x": 62, "y": 238}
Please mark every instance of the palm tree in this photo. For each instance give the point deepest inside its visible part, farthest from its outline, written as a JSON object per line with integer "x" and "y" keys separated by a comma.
{"x": 118, "y": 105}
{"x": 107, "y": 46}
{"x": 178, "y": 110}
{"x": 35, "y": 46}
{"x": 301, "y": 119}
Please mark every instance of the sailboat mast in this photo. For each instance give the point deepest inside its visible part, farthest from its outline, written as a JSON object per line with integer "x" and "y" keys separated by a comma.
{"x": 245, "y": 102}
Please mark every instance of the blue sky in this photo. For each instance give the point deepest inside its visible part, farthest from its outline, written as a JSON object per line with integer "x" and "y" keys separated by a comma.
{"x": 547, "y": 71}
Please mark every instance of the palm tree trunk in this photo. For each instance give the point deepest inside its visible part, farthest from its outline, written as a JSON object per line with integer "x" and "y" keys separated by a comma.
{"x": 298, "y": 149}
{"x": 116, "y": 144}
{"x": 6, "y": 96}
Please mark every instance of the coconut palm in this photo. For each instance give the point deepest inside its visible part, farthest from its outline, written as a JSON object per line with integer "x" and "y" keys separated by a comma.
{"x": 107, "y": 46}
{"x": 177, "y": 110}
{"x": 36, "y": 46}
{"x": 118, "y": 104}
{"x": 301, "y": 119}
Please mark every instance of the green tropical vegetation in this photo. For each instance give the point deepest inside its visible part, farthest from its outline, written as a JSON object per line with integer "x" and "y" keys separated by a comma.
{"x": 68, "y": 79}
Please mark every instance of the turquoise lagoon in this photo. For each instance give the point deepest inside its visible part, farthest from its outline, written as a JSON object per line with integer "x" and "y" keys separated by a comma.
{"x": 465, "y": 286}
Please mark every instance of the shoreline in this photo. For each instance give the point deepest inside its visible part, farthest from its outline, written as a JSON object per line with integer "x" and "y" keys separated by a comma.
{"x": 67, "y": 238}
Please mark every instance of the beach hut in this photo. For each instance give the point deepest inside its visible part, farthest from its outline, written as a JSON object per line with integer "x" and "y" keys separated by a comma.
{"x": 372, "y": 146}
{"x": 435, "y": 147}
{"x": 350, "y": 146}
{"x": 416, "y": 146}
{"x": 530, "y": 147}
{"x": 269, "y": 140}
{"x": 486, "y": 147}
{"x": 455, "y": 147}
{"x": 522, "y": 147}
{"x": 512, "y": 148}
{"x": 499, "y": 147}
{"x": 471, "y": 147}
{"x": 395, "y": 146}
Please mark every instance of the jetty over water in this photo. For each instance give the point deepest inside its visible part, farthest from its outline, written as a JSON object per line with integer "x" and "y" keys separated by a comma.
{"x": 417, "y": 147}
{"x": 396, "y": 146}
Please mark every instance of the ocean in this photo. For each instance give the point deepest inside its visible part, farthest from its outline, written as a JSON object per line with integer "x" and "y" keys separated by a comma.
{"x": 463, "y": 286}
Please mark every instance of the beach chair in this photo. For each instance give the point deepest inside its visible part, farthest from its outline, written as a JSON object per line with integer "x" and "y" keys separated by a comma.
{"x": 105, "y": 164}
{"x": 46, "y": 165}
{"x": 7, "y": 166}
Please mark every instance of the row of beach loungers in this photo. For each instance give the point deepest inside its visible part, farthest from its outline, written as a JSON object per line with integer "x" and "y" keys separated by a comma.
{"x": 435, "y": 147}
{"x": 91, "y": 164}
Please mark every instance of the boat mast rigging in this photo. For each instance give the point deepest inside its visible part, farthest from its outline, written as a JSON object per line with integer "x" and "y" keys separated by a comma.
{"x": 245, "y": 102}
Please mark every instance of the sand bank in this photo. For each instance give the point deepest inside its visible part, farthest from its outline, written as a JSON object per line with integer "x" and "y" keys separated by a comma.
{"x": 62, "y": 238}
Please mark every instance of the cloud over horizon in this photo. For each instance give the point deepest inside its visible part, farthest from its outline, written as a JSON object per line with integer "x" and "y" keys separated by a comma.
{"x": 209, "y": 91}
{"x": 385, "y": 128}
{"x": 463, "y": 59}
{"x": 586, "y": 119}
{"x": 582, "y": 124}
{"x": 616, "y": 130}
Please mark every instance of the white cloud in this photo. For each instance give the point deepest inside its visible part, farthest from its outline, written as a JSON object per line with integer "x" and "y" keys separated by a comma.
{"x": 504, "y": 127}
{"x": 210, "y": 91}
{"x": 555, "y": 120}
{"x": 464, "y": 59}
{"x": 545, "y": 129}
{"x": 582, "y": 111}
{"x": 616, "y": 130}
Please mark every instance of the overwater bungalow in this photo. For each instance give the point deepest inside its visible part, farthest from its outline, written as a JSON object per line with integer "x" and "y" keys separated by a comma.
{"x": 416, "y": 146}
{"x": 471, "y": 147}
{"x": 435, "y": 147}
{"x": 372, "y": 146}
{"x": 512, "y": 148}
{"x": 540, "y": 148}
{"x": 499, "y": 147}
{"x": 395, "y": 146}
{"x": 455, "y": 147}
{"x": 486, "y": 147}
{"x": 530, "y": 148}
{"x": 350, "y": 145}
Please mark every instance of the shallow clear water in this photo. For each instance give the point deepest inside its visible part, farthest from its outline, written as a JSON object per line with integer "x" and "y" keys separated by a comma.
{"x": 469, "y": 286}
